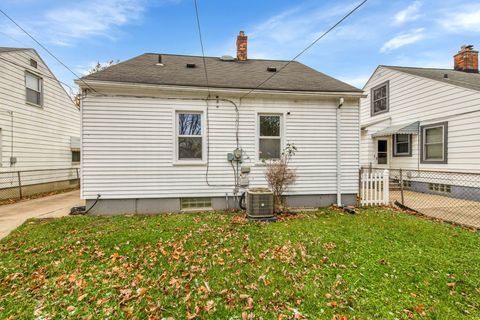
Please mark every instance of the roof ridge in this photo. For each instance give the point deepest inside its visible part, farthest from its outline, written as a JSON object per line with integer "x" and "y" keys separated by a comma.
{"x": 213, "y": 57}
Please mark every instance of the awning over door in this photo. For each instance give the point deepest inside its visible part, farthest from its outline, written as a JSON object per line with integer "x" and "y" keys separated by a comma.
{"x": 411, "y": 128}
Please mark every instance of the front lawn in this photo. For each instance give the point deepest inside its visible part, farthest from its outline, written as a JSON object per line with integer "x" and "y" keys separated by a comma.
{"x": 323, "y": 265}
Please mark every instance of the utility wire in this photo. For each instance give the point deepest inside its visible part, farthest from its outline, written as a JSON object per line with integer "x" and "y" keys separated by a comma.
{"x": 308, "y": 47}
{"x": 46, "y": 49}
{"x": 201, "y": 45}
{"x": 42, "y": 74}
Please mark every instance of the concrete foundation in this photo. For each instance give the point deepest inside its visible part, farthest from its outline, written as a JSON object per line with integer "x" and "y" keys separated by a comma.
{"x": 155, "y": 206}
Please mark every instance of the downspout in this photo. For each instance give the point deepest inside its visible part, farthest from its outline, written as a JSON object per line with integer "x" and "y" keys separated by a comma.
{"x": 339, "y": 160}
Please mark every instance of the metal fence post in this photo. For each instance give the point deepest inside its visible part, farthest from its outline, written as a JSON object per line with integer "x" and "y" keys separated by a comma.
{"x": 78, "y": 177}
{"x": 401, "y": 186}
{"x": 19, "y": 184}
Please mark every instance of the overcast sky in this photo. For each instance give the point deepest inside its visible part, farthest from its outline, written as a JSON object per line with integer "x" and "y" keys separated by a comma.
{"x": 423, "y": 33}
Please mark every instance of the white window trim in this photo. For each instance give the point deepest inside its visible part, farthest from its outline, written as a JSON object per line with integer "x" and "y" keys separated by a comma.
{"x": 424, "y": 144}
{"x": 41, "y": 89}
{"x": 259, "y": 113}
{"x": 189, "y": 162}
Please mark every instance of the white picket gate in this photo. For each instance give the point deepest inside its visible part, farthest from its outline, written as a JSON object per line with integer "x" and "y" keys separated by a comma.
{"x": 374, "y": 188}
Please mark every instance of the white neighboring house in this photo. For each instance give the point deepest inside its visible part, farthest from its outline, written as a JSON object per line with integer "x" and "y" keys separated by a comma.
{"x": 39, "y": 124}
{"x": 423, "y": 118}
{"x": 152, "y": 142}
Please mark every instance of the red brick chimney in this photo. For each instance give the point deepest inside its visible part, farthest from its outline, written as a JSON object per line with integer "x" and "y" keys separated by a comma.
{"x": 242, "y": 46}
{"x": 466, "y": 59}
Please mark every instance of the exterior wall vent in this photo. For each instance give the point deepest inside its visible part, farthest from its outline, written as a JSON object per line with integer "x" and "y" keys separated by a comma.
{"x": 259, "y": 203}
{"x": 191, "y": 65}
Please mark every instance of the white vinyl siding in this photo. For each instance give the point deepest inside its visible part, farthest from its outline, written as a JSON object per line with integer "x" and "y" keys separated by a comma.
{"x": 127, "y": 146}
{"x": 413, "y": 98}
{"x": 41, "y": 136}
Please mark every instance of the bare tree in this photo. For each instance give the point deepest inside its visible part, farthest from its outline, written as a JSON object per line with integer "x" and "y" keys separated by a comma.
{"x": 98, "y": 67}
{"x": 280, "y": 176}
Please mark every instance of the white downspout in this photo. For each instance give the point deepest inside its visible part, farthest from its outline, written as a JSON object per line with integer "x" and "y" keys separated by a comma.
{"x": 339, "y": 160}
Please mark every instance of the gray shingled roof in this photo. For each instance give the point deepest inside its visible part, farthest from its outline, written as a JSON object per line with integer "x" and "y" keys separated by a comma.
{"x": 221, "y": 74}
{"x": 458, "y": 78}
{"x": 5, "y": 49}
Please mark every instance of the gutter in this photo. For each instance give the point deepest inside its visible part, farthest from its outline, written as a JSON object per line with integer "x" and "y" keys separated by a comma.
{"x": 339, "y": 154}
{"x": 111, "y": 85}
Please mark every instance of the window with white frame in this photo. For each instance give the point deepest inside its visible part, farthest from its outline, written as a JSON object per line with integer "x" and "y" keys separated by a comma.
{"x": 379, "y": 99}
{"x": 270, "y": 136}
{"x": 402, "y": 145}
{"x": 189, "y": 137}
{"x": 34, "y": 88}
{"x": 434, "y": 143}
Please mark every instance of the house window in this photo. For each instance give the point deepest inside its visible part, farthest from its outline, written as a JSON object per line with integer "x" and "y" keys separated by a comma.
{"x": 189, "y": 136}
{"x": 75, "y": 156}
{"x": 439, "y": 187}
{"x": 34, "y": 88}
{"x": 270, "y": 139}
{"x": 402, "y": 145}
{"x": 195, "y": 203}
{"x": 379, "y": 99}
{"x": 434, "y": 143}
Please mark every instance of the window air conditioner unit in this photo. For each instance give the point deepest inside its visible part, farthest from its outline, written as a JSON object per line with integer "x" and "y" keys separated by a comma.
{"x": 259, "y": 203}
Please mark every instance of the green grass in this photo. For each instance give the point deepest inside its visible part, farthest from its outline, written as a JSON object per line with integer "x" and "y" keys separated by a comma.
{"x": 374, "y": 265}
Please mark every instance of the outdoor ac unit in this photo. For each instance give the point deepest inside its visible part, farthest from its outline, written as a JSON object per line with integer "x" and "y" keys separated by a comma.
{"x": 259, "y": 202}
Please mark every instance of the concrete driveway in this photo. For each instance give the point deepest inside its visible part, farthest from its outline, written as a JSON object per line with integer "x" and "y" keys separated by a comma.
{"x": 13, "y": 215}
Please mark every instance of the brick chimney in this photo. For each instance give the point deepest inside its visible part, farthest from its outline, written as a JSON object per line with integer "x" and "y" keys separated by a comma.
{"x": 466, "y": 59}
{"x": 242, "y": 46}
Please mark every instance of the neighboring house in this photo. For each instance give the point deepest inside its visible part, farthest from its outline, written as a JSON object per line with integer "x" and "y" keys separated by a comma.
{"x": 151, "y": 142}
{"x": 423, "y": 118}
{"x": 39, "y": 124}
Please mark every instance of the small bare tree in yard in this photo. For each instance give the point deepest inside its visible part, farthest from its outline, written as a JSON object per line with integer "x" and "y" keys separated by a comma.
{"x": 280, "y": 176}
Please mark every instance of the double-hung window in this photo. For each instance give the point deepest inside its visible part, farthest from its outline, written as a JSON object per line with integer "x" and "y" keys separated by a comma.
{"x": 189, "y": 137}
{"x": 402, "y": 145}
{"x": 379, "y": 99}
{"x": 34, "y": 87}
{"x": 270, "y": 136}
{"x": 434, "y": 143}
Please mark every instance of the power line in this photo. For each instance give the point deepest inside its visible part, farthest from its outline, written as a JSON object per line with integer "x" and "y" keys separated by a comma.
{"x": 201, "y": 45}
{"x": 42, "y": 74}
{"x": 308, "y": 47}
{"x": 45, "y": 48}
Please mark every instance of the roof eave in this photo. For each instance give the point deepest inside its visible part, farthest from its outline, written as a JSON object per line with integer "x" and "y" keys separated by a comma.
{"x": 111, "y": 85}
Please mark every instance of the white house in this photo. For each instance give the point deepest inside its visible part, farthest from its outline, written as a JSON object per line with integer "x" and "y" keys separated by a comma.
{"x": 427, "y": 122}
{"x": 156, "y": 138}
{"x": 39, "y": 124}
{"x": 423, "y": 118}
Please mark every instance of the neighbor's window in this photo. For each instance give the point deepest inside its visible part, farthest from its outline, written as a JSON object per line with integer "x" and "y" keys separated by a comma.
{"x": 189, "y": 136}
{"x": 434, "y": 143}
{"x": 33, "y": 84}
{"x": 195, "y": 203}
{"x": 402, "y": 145}
{"x": 379, "y": 99}
{"x": 270, "y": 141}
{"x": 75, "y": 156}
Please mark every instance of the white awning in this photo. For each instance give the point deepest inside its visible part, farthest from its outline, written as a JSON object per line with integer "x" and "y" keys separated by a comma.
{"x": 75, "y": 143}
{"x": 411, "y": 128}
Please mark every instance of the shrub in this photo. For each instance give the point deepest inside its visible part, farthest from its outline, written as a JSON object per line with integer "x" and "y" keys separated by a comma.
{"x": 280, "y": 176}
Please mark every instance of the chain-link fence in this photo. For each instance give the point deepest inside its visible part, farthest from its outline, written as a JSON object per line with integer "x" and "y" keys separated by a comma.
{"x": 448, "y": 196}
{"x": 19, "y": 184}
